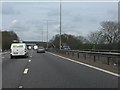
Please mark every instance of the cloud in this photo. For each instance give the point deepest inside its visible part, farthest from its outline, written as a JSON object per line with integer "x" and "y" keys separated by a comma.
{"x": 54, "y": 13}
{"x": 14, "y": 21}
{"x": 8, "y": 9}
{"x": 77, "y": 18}
{"x": 113, "y": 13}
{"x": 18, "y": 26}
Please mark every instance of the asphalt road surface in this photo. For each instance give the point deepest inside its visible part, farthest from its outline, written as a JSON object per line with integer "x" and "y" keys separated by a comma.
{"x": 44, "y": 70}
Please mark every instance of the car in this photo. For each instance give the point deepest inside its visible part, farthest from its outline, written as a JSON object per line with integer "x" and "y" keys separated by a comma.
{"x": 66, "y": 48}
{"x": 29, "y": 47}
{"x": 41, "y": 50}
{"x": 18, "y": 49}
{"x": 35, "y": 47}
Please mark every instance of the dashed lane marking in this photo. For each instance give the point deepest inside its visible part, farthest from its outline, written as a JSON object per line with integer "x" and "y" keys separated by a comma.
{"x": 20, "y": 86}
{"x": 29, "y": 60}
{"x": 26, "y": 71}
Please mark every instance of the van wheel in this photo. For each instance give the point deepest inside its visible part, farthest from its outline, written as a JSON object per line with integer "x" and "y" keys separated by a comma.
{"x": 11, "y": 56}
{"x": 26, "y": 56}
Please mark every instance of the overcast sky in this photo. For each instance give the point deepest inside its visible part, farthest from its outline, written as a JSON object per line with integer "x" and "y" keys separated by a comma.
{"x": 29, "y": 19}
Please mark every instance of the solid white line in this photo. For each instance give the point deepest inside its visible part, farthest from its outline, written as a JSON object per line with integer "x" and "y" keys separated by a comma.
{"x": 26, "y": 71}
{"x": 64, "y": 1}
{"x": 106, "y": 71}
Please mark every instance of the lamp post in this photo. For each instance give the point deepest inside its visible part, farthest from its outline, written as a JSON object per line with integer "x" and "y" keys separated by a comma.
{"x": 47, "y": 31}
{"x": 42, "y": 36}
{"x": 47, "y": 34}
{"x": 60, "y": 26}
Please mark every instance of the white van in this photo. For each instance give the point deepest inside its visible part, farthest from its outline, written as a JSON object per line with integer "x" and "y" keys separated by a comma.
{"x": 18, "y": 49}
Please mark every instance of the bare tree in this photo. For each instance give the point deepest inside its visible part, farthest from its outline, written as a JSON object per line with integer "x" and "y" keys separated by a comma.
{"x": 118, "y": 36}
{"x": 110, "y": 31}
{"x": 95, "y": 37}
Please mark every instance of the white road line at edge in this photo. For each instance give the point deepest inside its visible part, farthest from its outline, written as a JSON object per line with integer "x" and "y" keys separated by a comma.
{"x": 115, "y": 74}
{"x": 26, "y": 71}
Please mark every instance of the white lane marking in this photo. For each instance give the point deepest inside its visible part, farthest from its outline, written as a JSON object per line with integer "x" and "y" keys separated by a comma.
{"x": 115, "y": 64}
{"x": 29, "y": 60}
{"x": 20, "y": 86}
{"x": 30, "y": 56}
{"x": 106, "y": 71}
{"x": 26, "y": 71}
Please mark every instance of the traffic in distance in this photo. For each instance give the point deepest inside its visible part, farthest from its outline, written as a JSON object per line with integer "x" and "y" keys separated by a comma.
{"x": 21, "y": 49}
{"x": 33, "y": 66}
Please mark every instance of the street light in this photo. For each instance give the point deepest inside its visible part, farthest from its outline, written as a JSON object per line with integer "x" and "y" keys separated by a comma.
{"x": 42, "y": 36}
{"x": 60, "y": 25}
{"x": 47, "y": 23}
{"x": 47, "y": 34}
{"x": 47, "y": 30}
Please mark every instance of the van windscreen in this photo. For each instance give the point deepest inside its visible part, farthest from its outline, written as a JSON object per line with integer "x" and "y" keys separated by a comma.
{"x": 17, "y": 46}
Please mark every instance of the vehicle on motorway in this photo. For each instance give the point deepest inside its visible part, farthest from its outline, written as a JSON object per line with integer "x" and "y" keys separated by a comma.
{"x": 35, "y": 47}
{"x": 41, "y": 49}
{"x": 29, "y": 47}
{"x": 18, "y": 49}
{"x": 66, "y": 48}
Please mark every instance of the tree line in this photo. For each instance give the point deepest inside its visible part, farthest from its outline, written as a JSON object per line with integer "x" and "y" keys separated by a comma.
{"x": 7, "y": 39}
{"x": 107, "y": 37}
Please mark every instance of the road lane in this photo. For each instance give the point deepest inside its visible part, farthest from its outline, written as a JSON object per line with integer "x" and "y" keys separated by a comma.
{"x": 12, "y": 71}
{"x": 6, "y": 56}
{"x": 87, "y": 65}
{"x": 48, "y": 71}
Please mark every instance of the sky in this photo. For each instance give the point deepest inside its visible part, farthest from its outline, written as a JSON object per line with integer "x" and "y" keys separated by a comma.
{"x": 29, "y": 19}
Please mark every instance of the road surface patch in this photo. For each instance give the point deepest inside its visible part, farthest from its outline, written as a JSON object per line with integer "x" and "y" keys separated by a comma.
{"x": 108, "y": 72}
{"x": 3, "y": 57}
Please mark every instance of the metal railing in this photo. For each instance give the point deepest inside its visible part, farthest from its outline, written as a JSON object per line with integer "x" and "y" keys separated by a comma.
{"x": 110, "y": 59}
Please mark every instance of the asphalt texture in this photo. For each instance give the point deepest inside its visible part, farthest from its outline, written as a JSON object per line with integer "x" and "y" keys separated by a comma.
{"x": 48, "y": 71}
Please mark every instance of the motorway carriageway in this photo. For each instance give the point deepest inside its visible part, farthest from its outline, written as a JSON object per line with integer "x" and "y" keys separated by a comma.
{"x": 46, "y": 70}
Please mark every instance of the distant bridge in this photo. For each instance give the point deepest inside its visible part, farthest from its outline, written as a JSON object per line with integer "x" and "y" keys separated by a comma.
{"x": 39, "y": 43}
{"x": 36, "y": 43}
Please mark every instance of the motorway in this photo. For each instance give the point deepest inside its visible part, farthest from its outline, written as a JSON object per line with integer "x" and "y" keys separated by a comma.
{"x": 44, "y": 70}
